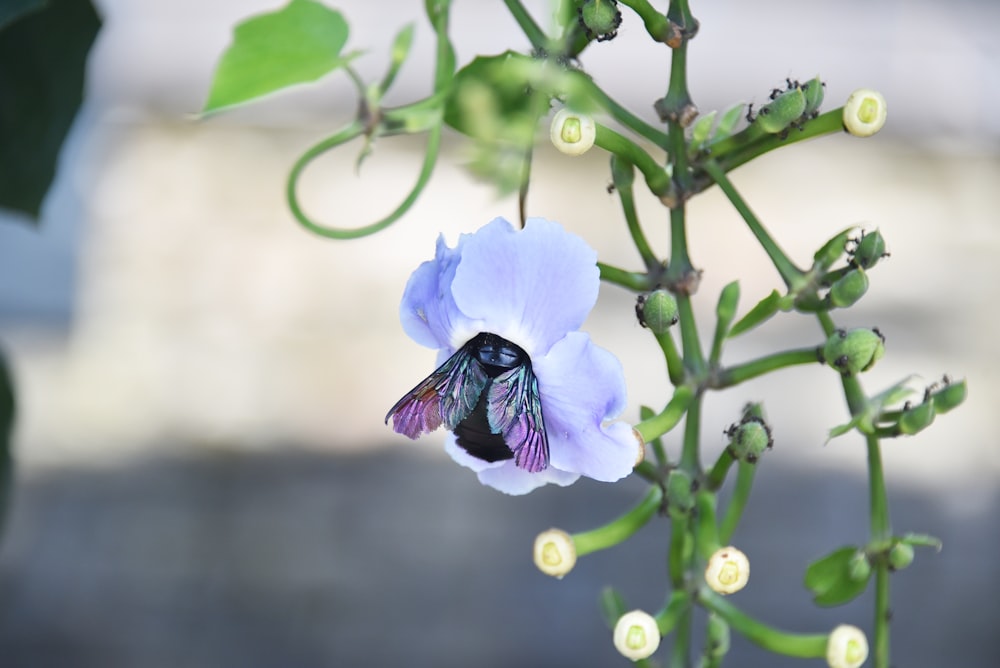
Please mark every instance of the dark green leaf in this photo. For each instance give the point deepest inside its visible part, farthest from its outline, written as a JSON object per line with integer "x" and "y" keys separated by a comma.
{"x": 297, "y": 44}
{"x": 7, "y": 412}
{"x": 43, "y": 54}
{"x": 830, "y": 580}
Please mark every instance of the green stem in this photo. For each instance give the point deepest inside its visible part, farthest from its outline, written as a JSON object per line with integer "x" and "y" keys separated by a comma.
{"x": 654, "y": 427}
{"x": 882, "y": 615}
{"x": 741, "y": 494}
{"x": 677, "y": 564}
{"x": 527, "y": 24}
{"x": 805, "y": 646}
{"x": 353, "y": 130}
{"x": 790, "y": 274}
{"x": 620, "y": 529}
{"x": 706, "y": 526}
{"x": 718, "y": 474}
{"x": 740, "y": 373}
{"x": 881, "y": 532}
{"x": 655, "y": 176}
{"x": 656, "y": 23}
{"x": 677, "y": 605}
{"x": 680, "y": 653}
{"x": 675, "y": 365}
{"x": 630, "y": 280}
{"x": 617, "y": 111}
{"x": 690, "y": 452}
{"x": 623, "y": 176}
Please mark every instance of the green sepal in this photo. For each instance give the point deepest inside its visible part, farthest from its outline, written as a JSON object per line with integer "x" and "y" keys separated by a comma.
{"x": 763, "y": 311}
{"x": 831, "y": 580}
{"x": 727, "y": 123}
{"x": 921, "y": 540}
{"x": 831, "y": 251}
{"x": 900, "y": 555}
{"x": 700, "y": 131}
{"x": 848, "y": 289}
{"x": 400, "y": 50}
{"x": 869, "y": 249}
{"x": 612, "y": 606}
{"x": 725, "y": 312}
{"x": 297, "y": 44}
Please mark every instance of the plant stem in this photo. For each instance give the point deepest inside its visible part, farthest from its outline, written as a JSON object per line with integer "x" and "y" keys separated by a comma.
{"x": 668, "y": 418}
{"x": 805, "y": 646}
{"x": 527, "y": 24}
{"x": 881, "y": 532}
{"x": 790, "y": 274}
{"x": 740, "y": 373}
{"x": 656, "y": 177}
{"x": 741, "y": 494}
{"x": 618, "y": 530}
{"x": 630, "y": 280}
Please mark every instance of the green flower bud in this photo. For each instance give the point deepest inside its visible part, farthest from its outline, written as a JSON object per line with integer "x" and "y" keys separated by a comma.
{"x": 854, "y": 351}
{"x": 951, "y": 396}
{"x": 851, "y": 287}
{"x": 813, "y": 90}
{"x": 782, "y": 112}
{"x": 572, "y": 133}
{"x": 859, "y": 568}
{"x": 717, "y": 637}
{"x": 749, "y": 439}
{"x": 679, "y": 490}
{"x": 657, "y": 310}
{"x": 600, "y": 19}
{"x": 900, "y": 556}
{"x": 869, "y": 249}
{"x": 916, "y": 418}
{"x": 864, "y": 112}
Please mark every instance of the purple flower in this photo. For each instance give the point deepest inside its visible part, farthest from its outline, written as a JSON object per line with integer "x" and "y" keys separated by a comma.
{"x": 526, "y": 396}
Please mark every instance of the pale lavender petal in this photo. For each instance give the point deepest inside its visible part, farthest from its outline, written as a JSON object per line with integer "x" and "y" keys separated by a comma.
{"x": 510, "y": 479}
{"x": 530, "y": 286}
{"x": 428, "y": 311}
{"x": 582, "y": 386}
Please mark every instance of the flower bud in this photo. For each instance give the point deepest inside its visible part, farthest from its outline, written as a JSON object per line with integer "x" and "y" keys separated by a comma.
{"x": 636, "y": 635}
{"x": 657, "y": 310}
{"x": 900, "y": 556}
{"x": 864, "y": 112}
{"x": 555, "y": 553}
{"x": 728, "y": 570}
{"x": 600, "y": 19}
{"x": 869, "y": 249}
{"x": 851, "y": 287}
{"x": 813, "y": 91}
{"x": 572, "y": 133}
{"x": 679, "y": 489}
{"x": 854, "y": 351}
{"x": 847, "y": 647}
{"x": 782, "y": 112}
{"x": 916, "y": 418}
{"x": 951, "y": 396}
{"x": 749, "y": 439}
{"x": 859, "y": 568}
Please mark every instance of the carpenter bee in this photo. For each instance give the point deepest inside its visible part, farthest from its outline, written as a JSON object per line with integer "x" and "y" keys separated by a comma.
{"x": 487, "y": 395}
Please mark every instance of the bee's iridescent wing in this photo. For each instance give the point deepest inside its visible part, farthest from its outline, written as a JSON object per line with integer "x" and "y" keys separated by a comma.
{"x": 515, "y": 410}
{"x": 446, "y": 397}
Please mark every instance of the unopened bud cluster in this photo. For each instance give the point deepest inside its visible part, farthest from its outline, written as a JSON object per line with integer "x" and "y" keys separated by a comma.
{"x": 749, "y": 439}
{"x": 853, "y": 351}
{"x": 657, "y": 310}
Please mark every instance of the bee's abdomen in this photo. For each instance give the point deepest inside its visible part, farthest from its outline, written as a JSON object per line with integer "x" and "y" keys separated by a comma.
{"x": 474, "y": 435}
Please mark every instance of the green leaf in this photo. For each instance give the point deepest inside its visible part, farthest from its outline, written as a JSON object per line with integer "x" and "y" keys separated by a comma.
{"x": 921, "y": 540}
{"x": 764, "y": 309}
{"x": 297, "y": 44}
{"x": 7, "y": 413}
{"x": 728, "y": 121}
{"x": 43, "y": 54}
{"x": 830, "y": 579}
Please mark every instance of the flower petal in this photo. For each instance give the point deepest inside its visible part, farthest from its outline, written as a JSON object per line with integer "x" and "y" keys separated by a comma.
{"x": 530, "y": 286}
{"x": 582, "y": 385}
{"x": 427, "y": 310}
{"x": 510, "y": 479}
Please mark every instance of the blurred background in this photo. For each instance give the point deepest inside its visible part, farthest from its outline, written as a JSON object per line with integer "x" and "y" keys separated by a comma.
{"x": 204, "y": 477}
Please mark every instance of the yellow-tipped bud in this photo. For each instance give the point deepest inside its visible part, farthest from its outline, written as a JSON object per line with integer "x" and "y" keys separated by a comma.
{"x": 847, "y": 647}
{"x": 728, "y": 570}
{"x": 864, "y": 112}
{"x": 572, "y": 133}
{"x": 555, "y": 553}
{"x": 636, "y": 635}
